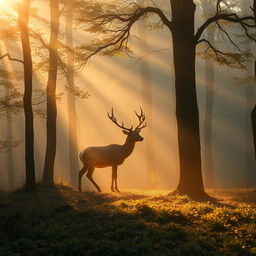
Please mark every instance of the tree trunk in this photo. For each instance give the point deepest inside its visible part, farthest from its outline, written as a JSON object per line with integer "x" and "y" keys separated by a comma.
{"x": 27, "y": 99}
{"x": 71, "y": 105}
{"x": 254, "y": 13}
{"x": 48, "y": 175}
{"x": 187, "y": 113}
{"x": 253, "y": 120}
{"x": 208, "y": 154}
{"x": 146, "y": 93}
{"x": 10, "y": 166}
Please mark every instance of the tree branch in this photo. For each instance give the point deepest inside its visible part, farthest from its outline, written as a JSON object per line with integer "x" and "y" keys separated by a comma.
{"x": 232, "y": 17}
{"x": 10, "y": 58}
{"x": 230, "y": 59}
{"x": 228, "y": 36}
{"x": 122, "y": 31}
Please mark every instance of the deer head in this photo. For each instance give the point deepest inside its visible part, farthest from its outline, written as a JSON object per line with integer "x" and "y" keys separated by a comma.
{"x": 133, "y": 134}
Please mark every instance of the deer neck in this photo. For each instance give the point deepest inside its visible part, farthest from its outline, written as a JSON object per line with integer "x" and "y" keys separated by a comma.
{"x": 128, "y": 146}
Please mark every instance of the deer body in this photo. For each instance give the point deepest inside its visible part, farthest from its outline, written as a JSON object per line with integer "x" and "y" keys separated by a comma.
{"x": 101, "y": 157}
{"x": 111, "y": 155}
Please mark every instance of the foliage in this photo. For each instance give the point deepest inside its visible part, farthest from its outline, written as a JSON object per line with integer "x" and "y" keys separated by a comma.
{"x": 60, "y": 221}
{"x": 13, "y": 143}
{"x": 8, "y": 81}
{"x": 39, "y": 45}
{"x": 228, "y": 34}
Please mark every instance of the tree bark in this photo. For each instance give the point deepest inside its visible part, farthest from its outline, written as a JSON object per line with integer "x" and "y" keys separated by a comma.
{"x": 71, "y": 104}
{"x": 253, "y": 113}
{"x": 10, "y": 163}
{"x": 254, "y": 13}
{"x": 48, "y": 174}
{"x": 10, "y": 166}
{"x": 187, "y": 113}
{"x": 253, "y": 120}
{"x": 27, "y": 99}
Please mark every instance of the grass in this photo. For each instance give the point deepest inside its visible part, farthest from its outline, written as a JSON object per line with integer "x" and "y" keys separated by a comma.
{"x": 61, "y": 221}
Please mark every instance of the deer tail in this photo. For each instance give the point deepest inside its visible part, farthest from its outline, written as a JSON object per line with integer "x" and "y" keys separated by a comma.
{"x": 81, "y": 156}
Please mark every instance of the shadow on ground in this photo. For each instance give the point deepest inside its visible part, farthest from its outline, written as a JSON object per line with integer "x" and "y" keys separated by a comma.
{"x": 61, "y": 221}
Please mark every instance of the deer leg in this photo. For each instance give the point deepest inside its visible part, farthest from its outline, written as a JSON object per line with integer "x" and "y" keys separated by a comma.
{"x": 89, "y": 176}
{"x": 80, "y": 175}
{"x": 115, "y": 178}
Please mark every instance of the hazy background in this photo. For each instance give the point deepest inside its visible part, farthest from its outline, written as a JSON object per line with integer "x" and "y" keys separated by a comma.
{"x": 115, "y": 82}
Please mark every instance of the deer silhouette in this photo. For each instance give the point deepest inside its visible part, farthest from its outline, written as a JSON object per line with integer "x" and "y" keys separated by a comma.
{"x": 111, "y": 155}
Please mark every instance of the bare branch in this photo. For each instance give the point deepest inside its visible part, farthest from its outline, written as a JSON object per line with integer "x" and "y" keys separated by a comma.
{"x": 232, "y": 17}
{"x": 122, "y": 34}
{"x": 10, "y": 58}
{"x": 217, "y": 52}
{"x": 41, "y": 39}
{"x": 230, "y": 59}
{"x": 228, "y": 36}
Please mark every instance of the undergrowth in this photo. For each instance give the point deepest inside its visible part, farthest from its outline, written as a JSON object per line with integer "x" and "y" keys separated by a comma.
{"x": 62, "y": 222}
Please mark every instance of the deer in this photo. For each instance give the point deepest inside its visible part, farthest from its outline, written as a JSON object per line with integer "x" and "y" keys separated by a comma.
{"x": 112, "y": 155}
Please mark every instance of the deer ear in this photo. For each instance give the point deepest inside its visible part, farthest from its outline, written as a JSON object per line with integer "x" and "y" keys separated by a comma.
{"x": 125, "y": 132}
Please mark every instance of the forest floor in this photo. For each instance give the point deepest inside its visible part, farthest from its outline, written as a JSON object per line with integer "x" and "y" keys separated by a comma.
{"x": 61, "y": 221}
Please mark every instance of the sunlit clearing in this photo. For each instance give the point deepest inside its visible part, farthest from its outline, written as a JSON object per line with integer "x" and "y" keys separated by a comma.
{"x": 102, "y": 78}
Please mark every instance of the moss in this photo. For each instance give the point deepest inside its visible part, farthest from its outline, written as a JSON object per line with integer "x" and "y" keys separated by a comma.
{"x": 58, "y": 224}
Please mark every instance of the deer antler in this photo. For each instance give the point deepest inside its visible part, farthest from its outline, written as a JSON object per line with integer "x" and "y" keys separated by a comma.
{"x": 113, "y": 119}
{"x": 141, "y": 118}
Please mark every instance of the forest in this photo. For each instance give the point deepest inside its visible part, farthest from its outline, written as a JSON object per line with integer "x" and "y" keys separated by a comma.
{"x": 173, "y": 84}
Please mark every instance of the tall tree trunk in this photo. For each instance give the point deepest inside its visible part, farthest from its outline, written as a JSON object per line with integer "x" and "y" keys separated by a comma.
{"x": 249, "y": 96}
{"x": 48, "y": 175}
{"x": 71, "y": 105}
{"x": 208, "y": 154}
{"x": 146, "y": 93}
{"x": 10, "y": 166}
{"x": 253, "y": 113}
{"x": 254, "y": 13}
{"x": 253, "y": 120}
{"x": 187, "y": 113}
{"x": 27, "y": 99}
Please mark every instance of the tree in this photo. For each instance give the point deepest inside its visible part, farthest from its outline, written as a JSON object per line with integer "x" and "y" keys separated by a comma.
{"x": 185, "y": 41}
{"x": 23, "y": 17}
{"x": 10, "y": 164}
{"x": 56, "y": 65}
{"x": 254, "y": 14}
{"x": 10, "y": 104}
{"x": 48, "y": 174}
{"x": 253, "y": 113}
{"x": 27, "y": 99}
{"x": 71, "y": 107}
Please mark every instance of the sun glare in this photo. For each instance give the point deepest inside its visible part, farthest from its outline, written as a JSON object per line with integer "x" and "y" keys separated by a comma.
{"x": 8, "y": 3}
{"x": 4, "y": 4}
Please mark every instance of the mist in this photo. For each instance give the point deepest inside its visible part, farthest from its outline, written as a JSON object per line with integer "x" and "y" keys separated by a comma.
{"x": 115, "y": 82}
